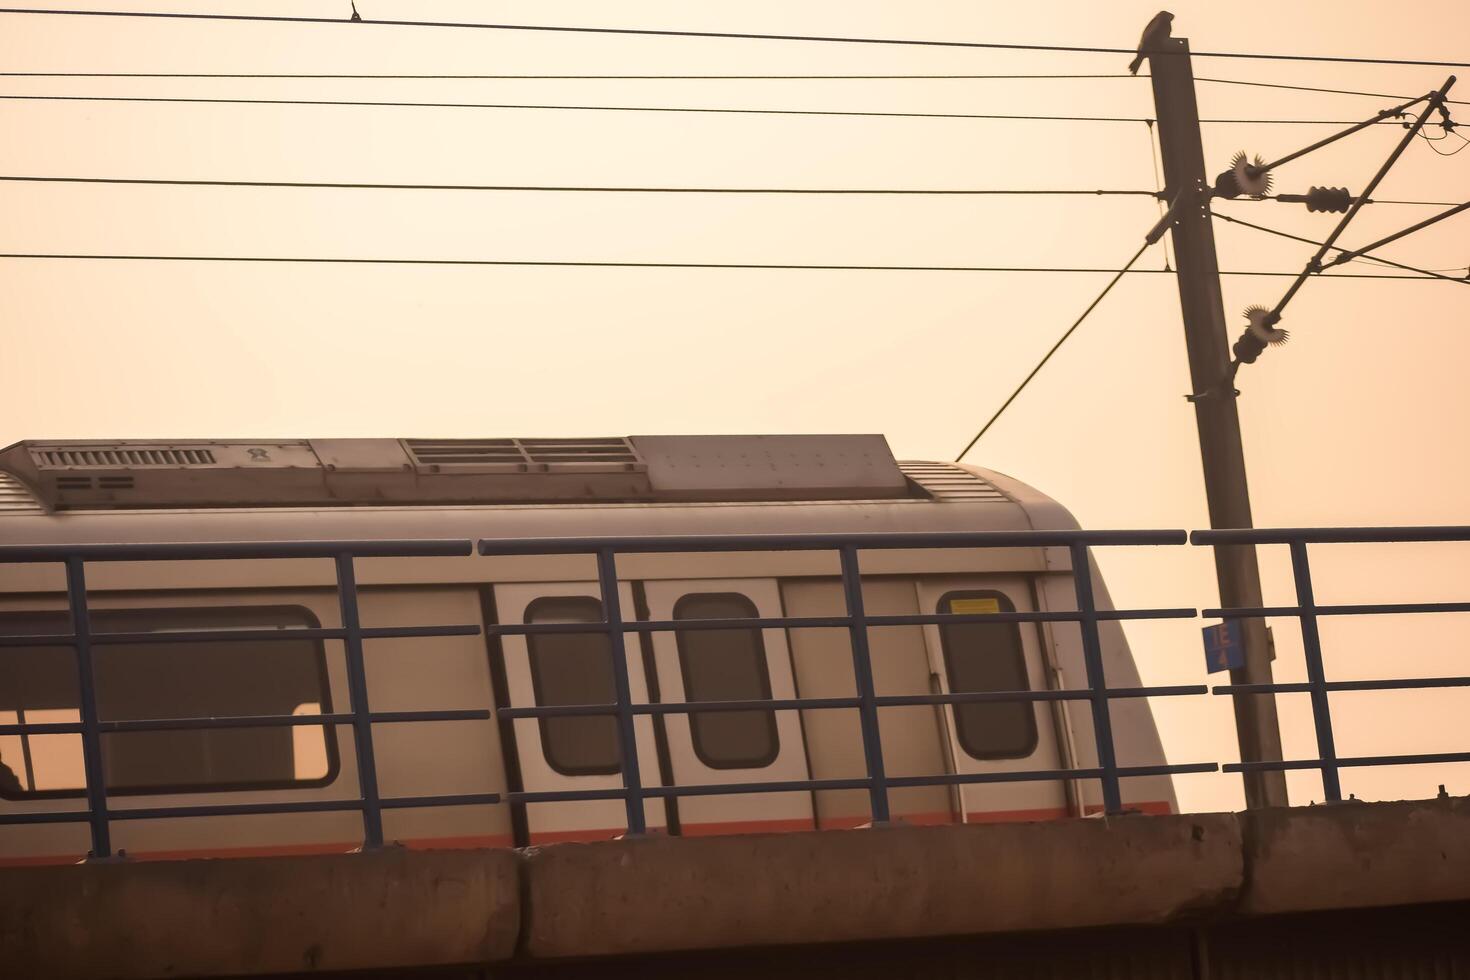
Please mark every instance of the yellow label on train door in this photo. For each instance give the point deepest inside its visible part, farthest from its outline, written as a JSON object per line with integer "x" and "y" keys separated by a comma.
{"x": 972, "y": 607}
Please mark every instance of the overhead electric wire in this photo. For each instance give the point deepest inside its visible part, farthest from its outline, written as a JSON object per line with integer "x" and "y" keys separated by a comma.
{"x": 716, "y": 35}
{"x": 572, "y": 188}
{"x": 1030, "y": 117}
{"x": 1428, "y": 273}
{"x": 1314, "y": 88}
{"x": 394, "y": 76}
{"x": 1054, "y": 348}
{"x": 563, "y": 263}
{"x": 616, "y": 189}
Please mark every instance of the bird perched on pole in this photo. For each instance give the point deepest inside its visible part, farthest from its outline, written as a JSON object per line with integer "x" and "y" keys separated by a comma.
{"x": 1154, "y": 36}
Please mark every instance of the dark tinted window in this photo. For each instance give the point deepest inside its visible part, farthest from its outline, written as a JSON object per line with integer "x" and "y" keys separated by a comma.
{"x": 987, "y": 657}
{"x": 726, "y": 665}
{"x": 195, "y": 679}
{"x": 574, "y": 668}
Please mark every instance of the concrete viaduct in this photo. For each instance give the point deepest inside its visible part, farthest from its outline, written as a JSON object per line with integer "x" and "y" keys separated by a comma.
{"x": 1360, "y": 890}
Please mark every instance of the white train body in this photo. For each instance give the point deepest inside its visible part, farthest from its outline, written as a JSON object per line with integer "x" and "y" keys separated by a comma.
{"x": 645, "y": 486}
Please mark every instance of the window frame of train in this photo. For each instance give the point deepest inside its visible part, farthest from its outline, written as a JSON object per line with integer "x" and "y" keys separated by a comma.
{"x": 536, "y": 646}
{"x": 1017, "y": 657}
{"x": 700, "y": 722}
{"x": 110, "y": 657}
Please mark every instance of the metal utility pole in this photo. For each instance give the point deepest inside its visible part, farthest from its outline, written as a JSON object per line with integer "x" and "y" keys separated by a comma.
{"x": 1215, "y": 411}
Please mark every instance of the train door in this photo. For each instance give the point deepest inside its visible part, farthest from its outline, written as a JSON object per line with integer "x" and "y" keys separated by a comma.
{"x": 573, "y": 752}
{"x": 992, "y": 737}
{"x": 756, "y": 746}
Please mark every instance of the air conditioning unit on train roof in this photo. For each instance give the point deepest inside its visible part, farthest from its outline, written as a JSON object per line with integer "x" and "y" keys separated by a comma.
{"x": 91, "y": 475}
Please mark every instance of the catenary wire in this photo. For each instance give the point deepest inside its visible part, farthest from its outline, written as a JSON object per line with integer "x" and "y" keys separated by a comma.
{"x": 394, "y": 76}
{"x": 614, "y": 189}
{"x": 372, "y": 103}
{"x": 1314, "y": 88}
{"x": 574, "y": 188}
{"x": 562, "y": 263}
{"x": 1054, "y": 348}
{"x": 716, "y": 35}
{"x": 1428, "y": 273}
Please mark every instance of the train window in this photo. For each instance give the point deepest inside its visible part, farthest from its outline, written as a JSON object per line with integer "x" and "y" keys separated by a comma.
{"x": 726, "y": 665}
{"x": 574, "y": 668}
{"x": 166, "y": 680}
{"x": 987, "y": 657}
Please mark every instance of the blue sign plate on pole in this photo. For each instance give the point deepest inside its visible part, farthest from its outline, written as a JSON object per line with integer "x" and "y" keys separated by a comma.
{"x": 1224, "y": 647}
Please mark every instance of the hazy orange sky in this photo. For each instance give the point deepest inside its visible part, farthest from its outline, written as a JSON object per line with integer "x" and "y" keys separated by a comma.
{"x": 1359, "y": 420}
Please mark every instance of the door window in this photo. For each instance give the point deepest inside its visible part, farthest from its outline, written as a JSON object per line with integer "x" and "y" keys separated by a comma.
{"x": 987, "y": 657}
{"x": 574, "y": 668}
{"x": 726, "y": 665}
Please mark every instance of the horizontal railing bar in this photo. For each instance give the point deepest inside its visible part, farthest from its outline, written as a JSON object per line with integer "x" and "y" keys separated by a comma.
{"x": 235, "y": 636}
{"x": 677, "y": 707}
{"x": 458, "y": 799}
{"x": 1362, "y": 760}
{"x": 1345, "y": 535}
{"x": 1019, "y": 776}
{"x": 223, "y": 550}
{"x": 566, "y": 795}
{"x": 1395, "y": 684}
{"x": 446, "y": 714}
{"x": 735, "y": 789}
{"x": 244, "y": 721}
{"x": 1043, "y": 775}
{"x": 832, "y": 622}
{"x": 881, "y": 540}
{"x": 48, "y": 816}
{"x": 246, "y": 809}
{"x": 987, "y": 697}
{"x": 234, "y": 809}
{"x": 887, "y": 701}
{"x": 43, "y": 728}
{"x": 1063, "y": 616}
{"x": 204, "y": 724}
{"x": 1362, "y": 609}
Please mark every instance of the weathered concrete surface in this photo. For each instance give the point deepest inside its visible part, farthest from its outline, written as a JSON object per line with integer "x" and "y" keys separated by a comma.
{"x": 1356, "y": 855}
{"x": 638, "y": 896}
{"x": 396, "y": 910}
{"x": 259, "y": 915}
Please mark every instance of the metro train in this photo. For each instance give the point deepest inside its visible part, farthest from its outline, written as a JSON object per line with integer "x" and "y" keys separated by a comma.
{"x": 70, "y": 492}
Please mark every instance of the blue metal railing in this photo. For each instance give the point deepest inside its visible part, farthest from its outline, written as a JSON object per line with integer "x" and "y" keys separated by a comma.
{"x": 1306, "y": 612}
{"x": 352, "y": 633}
{"x": 867, "y": 702}
{"x": 99, "y": 814}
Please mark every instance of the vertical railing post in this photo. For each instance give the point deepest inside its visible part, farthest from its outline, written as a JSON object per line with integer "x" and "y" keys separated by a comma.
{"x": 92, "y": 765}
{"x": 1097, "y": 683}
{"x": 612, "y": 612}
{"x": 862, "y": 671}
{"x": 362, "y": 724}
{"x": 1316, "y": 676}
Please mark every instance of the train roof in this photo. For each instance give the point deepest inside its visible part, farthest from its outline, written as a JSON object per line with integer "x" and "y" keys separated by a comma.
{"x": 352, "y": 488}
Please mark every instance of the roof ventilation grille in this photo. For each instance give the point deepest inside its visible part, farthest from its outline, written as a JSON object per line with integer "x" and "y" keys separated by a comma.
{"x": 15, "y": 498}
{"x": 115, "y": 458}
{"x": 947, "y": 482}
{"x": 524, "y": 455}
